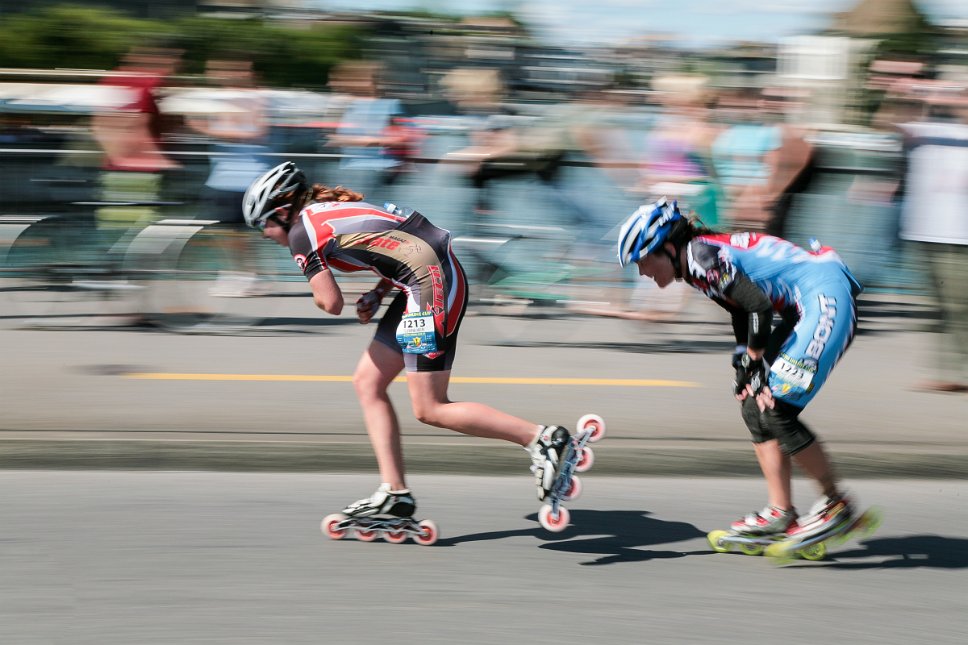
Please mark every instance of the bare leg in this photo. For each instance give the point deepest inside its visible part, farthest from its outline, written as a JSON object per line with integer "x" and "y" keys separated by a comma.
{"x": 814, "y": 461}
{"x": 428, "y": 393}
{"x": 377, "y": 368}
{"x": 776, "y": 470}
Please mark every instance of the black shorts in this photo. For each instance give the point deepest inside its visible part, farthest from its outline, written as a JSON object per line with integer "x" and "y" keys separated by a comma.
{"x": 443, "y": 359}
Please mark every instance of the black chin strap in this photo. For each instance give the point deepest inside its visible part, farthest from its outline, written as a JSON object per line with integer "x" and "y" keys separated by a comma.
{"x": 676, "y": 265}
{"x": 294, "y": 210}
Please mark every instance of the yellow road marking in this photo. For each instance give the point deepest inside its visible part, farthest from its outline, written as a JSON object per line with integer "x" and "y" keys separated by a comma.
{"x": 485, "y": 380}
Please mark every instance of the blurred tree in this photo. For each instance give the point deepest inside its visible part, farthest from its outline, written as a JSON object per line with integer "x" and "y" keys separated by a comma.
{"x": 70, "y": 36}
{"x": 899, "y": 26}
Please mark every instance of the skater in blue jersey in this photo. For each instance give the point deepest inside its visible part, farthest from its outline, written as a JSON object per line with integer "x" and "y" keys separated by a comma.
{"x": 778, "y": 370}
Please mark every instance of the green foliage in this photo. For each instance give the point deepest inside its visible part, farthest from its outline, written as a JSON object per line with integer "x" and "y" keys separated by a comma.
{"x": 303, "y": 58}
{"x": 68, "y": 36}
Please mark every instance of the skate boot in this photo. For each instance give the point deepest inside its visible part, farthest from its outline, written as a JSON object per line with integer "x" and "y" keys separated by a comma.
{"x": 756, "y": 532}
{"x": 825, "y": 516}
{"x": 384, "y": 502}
{"x": 547, "y": 451}
{"x": 768, "y": 522}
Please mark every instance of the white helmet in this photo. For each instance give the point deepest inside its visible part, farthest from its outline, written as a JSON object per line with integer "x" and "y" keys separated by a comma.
{"x": 272, "y": 193}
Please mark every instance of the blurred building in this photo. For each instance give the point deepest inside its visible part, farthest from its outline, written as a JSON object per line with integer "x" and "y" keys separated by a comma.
{"x": 832, "y": 67}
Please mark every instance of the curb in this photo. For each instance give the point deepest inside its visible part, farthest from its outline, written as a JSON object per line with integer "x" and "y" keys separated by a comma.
{"x": 274, "y": 456}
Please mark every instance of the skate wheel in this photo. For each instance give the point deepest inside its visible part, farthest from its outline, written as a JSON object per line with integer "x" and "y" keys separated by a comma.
{"x": 328, "y": 526}
{"x": 780, "y": 553}
{"x": 585, "y": 460}
{"x": 365, "y": 536}
{"x": 593, "y": 424}
{"x": 842, "y": 538}
{"x": 813, "y": 552}
{"x": 395, "y": 537}
{"x": 871, "y": 522}
{"x": 428, "y": 533}
{"x": 752, "y": 549}
{"x": 574, "y": 489}
{"x": 716, "y": 542}
{"x": 552, "y": 523}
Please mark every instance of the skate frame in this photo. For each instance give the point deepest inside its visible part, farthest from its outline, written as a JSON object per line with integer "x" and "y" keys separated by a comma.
{"x": 563, "y": 482}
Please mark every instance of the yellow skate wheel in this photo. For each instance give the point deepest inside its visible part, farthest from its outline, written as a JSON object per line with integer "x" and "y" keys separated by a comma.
{"x": 813, "y": 552}
{"x": 841, "y": 538}
{"x": 780, "y": 553}
{"x": 872, "y": 522}
{"x": 715, "y": 539}
{"x": 752, "y": 549}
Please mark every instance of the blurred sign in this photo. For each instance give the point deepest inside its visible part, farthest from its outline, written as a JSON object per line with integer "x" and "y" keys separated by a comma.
{"x": 58, "y": 97}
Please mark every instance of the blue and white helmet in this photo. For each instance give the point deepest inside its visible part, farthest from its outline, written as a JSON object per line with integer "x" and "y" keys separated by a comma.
{"x": 646, "y": 230}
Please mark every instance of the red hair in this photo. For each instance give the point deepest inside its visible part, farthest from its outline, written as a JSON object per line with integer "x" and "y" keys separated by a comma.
{"x": 321, "y": 193}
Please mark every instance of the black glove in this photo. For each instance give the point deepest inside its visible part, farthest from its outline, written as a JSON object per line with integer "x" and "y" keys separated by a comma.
{"x": 738, "y": 356}
{"x": 750, "y": 371}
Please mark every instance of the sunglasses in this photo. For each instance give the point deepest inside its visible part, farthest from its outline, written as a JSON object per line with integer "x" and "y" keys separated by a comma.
{"x": 274, "y": 216}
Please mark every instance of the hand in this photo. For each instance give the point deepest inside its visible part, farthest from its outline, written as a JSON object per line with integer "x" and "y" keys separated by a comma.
{"x": 367, "y": 306}
{"x": 752, "y": 380}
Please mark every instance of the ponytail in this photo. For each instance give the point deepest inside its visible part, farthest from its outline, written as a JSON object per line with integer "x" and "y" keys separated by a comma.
{"x": 321, "y": 193}
{"x": 686, "y": 229}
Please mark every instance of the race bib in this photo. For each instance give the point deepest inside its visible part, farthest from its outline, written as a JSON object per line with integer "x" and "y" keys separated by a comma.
{"x": 415, "y": 333}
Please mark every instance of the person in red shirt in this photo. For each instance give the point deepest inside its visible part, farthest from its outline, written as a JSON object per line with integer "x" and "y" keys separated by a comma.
{"x": 130, "y": 135}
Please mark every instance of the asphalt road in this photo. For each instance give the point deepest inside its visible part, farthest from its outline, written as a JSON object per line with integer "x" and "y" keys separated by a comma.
{"x": 278, "y": 397}
{"x": 106, "y": 558}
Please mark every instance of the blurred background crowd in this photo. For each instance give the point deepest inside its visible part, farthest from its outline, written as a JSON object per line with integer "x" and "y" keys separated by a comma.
{"x": 117, "y": 115}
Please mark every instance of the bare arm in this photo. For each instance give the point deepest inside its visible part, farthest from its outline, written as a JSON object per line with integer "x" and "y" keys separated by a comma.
{"x": 326, "y": 293}
{"x": 786, "y": 163}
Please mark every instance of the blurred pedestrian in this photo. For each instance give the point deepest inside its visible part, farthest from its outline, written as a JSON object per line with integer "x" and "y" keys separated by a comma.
{"x": 935, "y": 218}
{"x": 237, "y": 130}
{"x": 677, "y": 162}
{"x": 492, "y": 138}
{"x": 677, "y": 155}
{"x": 130, "y": 138}
{"x": 371, "y": 135}
{"x": 332, "y": 228}
{"x": 778, "y": 371}
{"x": 761, "y": 161}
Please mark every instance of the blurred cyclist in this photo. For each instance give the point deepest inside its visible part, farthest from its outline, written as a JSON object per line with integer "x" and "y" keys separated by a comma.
{"x": 751, "y": 275}
{"x": 332, "y": 228}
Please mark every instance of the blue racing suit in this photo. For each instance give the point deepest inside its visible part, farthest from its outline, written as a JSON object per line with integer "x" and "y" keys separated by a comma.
{"x": 813, "y": 291}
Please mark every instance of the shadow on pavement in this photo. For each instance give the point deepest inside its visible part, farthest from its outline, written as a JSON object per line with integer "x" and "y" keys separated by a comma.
{"x": 664, "y": 346}
{"x": 910, "y": 552}
{"x": 617, "y": 536}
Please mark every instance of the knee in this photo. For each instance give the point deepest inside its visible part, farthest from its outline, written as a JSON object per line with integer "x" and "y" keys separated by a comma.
{"x": 368, "y": 385}
{"x": 754, "y": 422}
{"x": 428, "y": 413}
{"x": 784, "y": 422}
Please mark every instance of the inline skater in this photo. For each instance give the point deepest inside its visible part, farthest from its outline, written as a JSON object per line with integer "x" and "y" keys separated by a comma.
{"x": 332, "y": 228}
{"x": 778, "y": 373}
